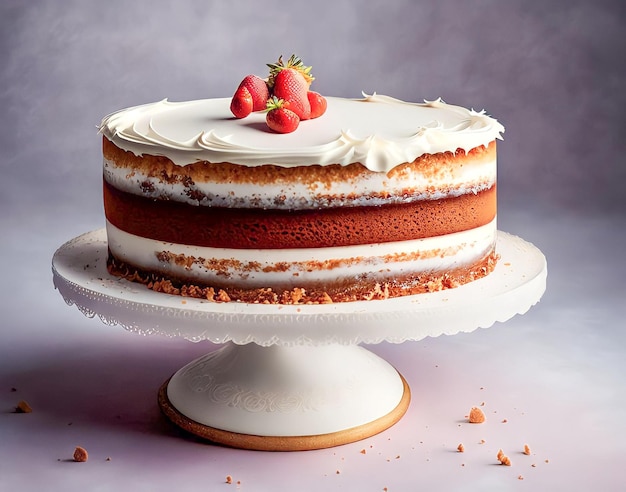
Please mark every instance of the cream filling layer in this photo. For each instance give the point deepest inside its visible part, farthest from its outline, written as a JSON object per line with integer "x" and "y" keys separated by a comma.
{"x": 471, "y": 177}
{"x": 255, "y": 268}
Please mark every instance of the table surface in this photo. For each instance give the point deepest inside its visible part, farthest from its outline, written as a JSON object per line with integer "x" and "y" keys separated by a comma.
{"x": 551, "y": 379}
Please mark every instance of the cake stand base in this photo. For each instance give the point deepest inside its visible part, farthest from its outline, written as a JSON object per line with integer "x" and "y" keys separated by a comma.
{"x": 293, "y": 377}
{"x": 285, "y": 398}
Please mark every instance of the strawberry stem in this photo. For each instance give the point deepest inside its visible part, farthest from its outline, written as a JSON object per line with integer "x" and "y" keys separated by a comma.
{"x": 294, "y": 62}
{"x": 275, "y": 103}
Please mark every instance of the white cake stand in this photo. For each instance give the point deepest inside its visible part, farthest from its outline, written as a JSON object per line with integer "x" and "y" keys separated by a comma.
{"x": 293, "y": 377}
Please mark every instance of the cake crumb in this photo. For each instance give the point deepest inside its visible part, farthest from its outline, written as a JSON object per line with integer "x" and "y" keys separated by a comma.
{"x": 526, "y": 449}
{"x": 502, "y": 458}
{"x": 363, "y": 451}
{"x": 80, "y": 454}
{"x": 504, "y": 421}
{"x": 519, "y": 477}
{"x": 482, "y": 441}
{"x": 23, "y": 407}
{"x": 460, "y": 448}
{"x": 108, "y": 458}
{"x": 337, "y": 472}
{"x": 476, "y": 416}
{"x": 229, "y": 479}
{"x": 222, "y": 296}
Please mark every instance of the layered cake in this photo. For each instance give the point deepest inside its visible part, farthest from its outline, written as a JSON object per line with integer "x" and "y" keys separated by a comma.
{"x": 377, "y": 198}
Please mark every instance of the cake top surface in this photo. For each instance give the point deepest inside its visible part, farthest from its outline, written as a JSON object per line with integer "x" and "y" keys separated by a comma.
{"x": 377, "y": 131}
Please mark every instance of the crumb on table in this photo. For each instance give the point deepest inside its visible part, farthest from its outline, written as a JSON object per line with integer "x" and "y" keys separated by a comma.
{"x": 502, "y": 458}
{"x": 476, "y": 416}
{"x": 23, "y": 407}
{"x": 80, "y": 454}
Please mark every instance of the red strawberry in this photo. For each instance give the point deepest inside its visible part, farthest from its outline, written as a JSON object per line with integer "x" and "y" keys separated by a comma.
{"x": 318, "y": 104}
{"x": 241, "y": 104}
{"x": 279, "y": 118}
{"x": 291, "y": 82}
{"x": 291, "y": 86}
{"x": 258, "y": 90}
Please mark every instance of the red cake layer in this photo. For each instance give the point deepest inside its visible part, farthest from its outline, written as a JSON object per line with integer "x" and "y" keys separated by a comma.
{"x": 246, "y": 228}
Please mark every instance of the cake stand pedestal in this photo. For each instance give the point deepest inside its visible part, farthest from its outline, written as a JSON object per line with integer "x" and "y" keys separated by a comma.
{"x": 293, "y": 377}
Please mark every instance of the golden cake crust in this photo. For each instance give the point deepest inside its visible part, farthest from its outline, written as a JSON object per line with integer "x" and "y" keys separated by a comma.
{"x": 164, "y": 169}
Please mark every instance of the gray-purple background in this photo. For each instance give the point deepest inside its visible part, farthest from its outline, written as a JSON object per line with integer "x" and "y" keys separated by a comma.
{"x": 552, "y": 71}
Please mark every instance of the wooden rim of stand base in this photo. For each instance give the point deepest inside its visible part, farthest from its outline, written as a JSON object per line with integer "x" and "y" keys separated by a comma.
{"x": 284, "y": 443}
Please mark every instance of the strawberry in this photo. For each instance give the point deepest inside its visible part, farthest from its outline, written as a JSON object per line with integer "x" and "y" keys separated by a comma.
{"x": 295, "y": 63}
{"x": 258, "y": 90}
{"x": 318, "y": 104}
{"x": 241, "y": 104}
{"x": 279, "y": 117}
{"x": 291, "y": 82}
{"x": 291, "y": 86}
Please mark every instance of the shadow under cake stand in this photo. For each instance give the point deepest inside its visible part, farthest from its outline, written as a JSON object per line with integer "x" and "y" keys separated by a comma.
{"x": 293, "y": 377}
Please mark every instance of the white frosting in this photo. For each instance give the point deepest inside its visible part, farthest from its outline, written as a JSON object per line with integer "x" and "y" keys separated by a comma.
{"x": 306, "y": 265}
{"x": 378, "y": 131}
